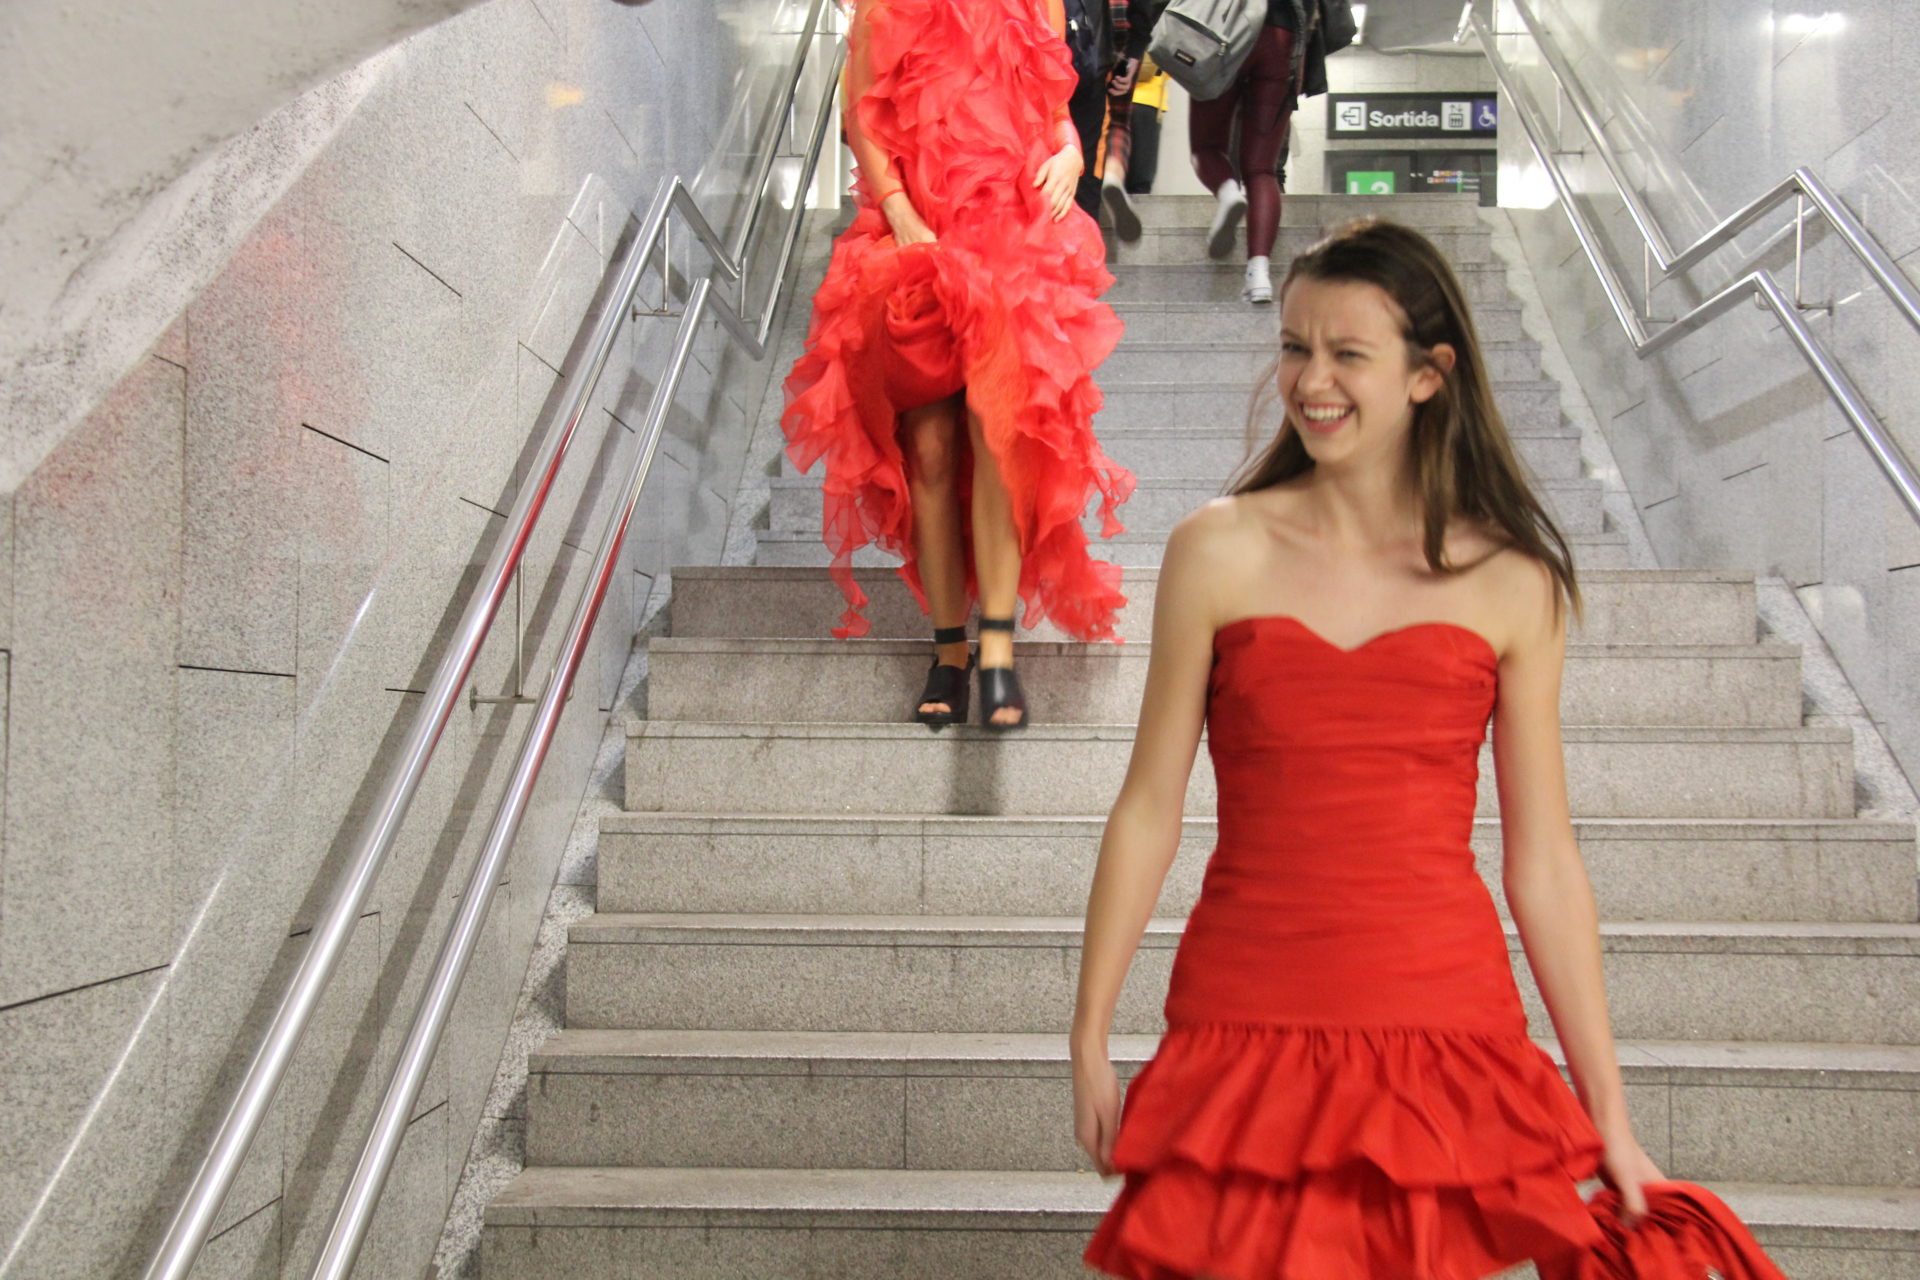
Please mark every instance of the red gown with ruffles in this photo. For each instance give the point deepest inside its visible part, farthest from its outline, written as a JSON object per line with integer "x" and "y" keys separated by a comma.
{"x": 1346, "y": 1090}
{"x": 966, "y": 98}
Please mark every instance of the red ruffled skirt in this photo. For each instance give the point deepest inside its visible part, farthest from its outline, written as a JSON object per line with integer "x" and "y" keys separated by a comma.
{"x": 1307, "y": 1153}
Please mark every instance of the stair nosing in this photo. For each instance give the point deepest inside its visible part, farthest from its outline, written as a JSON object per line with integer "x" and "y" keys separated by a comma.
{"x": 636, "y": 928}
{"x": 1664, "y": 577}
{"x": 1803, "y": 735}
{"x": 1597, "y": 829}
{"x": 952, "y": 1199}
{"x": 641, "y": 1051}
{"x": 1141, "y": 651}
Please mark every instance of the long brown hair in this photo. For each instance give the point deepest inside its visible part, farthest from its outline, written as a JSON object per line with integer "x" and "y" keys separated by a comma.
{"x": 1463, "y": 459}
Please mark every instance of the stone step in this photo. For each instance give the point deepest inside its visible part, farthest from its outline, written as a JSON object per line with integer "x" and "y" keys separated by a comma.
{"x": 1642, "y": 869}
{"x": 1623, "y": 606}
{"x": 1705, "y": 1112}
{"x": 1159, "y": 503}
{"x": 1068, "y": 769}
{"x": 1483, "y": 282}
{"x": 1192, "y": 361}
{"x": 1234, "y": 321}
{"x": 599, "y": 1223}
{"x": 1830, "y": 983}
{"x": 1323, "y": 212}
{"x": 1154, "y": 452}
{"x": 868, "y": 681}
{"x": 1188, "y": 243}
{"x": 1131, "y": 550}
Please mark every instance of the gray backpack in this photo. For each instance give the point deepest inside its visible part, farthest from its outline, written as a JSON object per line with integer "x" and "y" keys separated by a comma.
{"x": 1202, "y": 43}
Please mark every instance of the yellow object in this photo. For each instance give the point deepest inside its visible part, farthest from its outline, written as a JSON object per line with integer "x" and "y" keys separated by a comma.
{"x": 1152, "y": 89}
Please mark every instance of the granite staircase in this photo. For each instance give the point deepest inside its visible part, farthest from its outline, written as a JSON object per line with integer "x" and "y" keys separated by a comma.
{"x": 816, "y": 1028}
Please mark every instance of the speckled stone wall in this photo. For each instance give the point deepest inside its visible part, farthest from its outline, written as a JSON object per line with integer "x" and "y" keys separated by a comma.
{"x": 1734, "y": 454}
{"x": 222, "y": 591}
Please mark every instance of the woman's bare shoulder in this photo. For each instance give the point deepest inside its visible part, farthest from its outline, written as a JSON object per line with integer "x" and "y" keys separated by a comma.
{"x": 1210, "y": 547}
{"x": 1518, "y": 591}
{"x": 1215, "y": 525}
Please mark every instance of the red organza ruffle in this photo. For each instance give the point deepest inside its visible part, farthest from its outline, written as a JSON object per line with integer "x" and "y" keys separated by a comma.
{"x": 1005, "y": 304}
{"x": 1345, "y": 1154}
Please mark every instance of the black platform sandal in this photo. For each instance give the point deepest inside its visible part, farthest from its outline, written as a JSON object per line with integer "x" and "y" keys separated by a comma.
{"x": 945, "y": 684}
{"x": 1000, "y": 687}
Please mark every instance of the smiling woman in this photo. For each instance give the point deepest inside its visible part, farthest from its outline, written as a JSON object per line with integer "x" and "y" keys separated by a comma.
{"x": 1346, "y": 1089}
{"x": 1378, "y": 320}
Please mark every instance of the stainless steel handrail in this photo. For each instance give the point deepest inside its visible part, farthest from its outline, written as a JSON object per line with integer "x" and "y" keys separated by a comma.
{"x": 1802, "y": 186}
{"x": 357, "y": 1202}
{"x": 192, "y": 1223}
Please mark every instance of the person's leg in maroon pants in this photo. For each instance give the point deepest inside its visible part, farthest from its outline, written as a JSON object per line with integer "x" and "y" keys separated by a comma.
{"x": 1266, "y": 96}
{"x": 1209, "y": 134}
{"x": 1260, "y": 97}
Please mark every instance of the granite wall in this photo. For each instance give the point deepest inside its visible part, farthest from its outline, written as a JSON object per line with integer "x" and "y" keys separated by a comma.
{"x": 1733, "y": 452}
{"x": 221, "y": 593}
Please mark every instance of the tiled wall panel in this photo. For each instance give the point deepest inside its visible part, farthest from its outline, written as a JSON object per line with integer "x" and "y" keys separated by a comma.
{"x": 222, "y": 597}
{"x": 1727, "y": 441}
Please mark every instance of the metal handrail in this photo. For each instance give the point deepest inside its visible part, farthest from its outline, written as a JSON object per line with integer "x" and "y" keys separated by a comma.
{"x": 1802, "y": 186}
{"x": 192, "y": 1223}
{"x": 362, "y": 1194}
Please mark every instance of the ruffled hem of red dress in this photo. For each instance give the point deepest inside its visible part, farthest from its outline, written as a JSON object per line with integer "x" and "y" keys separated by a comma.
{"x": 1310, "y": 1153}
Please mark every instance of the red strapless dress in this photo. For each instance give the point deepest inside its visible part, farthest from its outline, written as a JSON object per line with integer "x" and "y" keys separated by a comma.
{"x": 1005, "y": 305}
{"x": 1346, "y": 1090}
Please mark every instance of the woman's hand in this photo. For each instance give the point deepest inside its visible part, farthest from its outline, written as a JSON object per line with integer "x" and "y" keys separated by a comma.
{"x": 1058, "y": 177}
{"x": 1627, "y": 1169}
{"x": 1096, "y": 1107}
{"x": 908, "y": 226}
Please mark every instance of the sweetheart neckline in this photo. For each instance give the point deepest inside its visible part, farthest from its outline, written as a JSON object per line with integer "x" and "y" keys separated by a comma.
{"x": 1370, "y": 640}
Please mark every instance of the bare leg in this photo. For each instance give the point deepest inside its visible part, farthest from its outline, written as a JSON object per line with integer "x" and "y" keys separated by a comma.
{"x": 930, "y": 438}
{"x": 996, "y": 557}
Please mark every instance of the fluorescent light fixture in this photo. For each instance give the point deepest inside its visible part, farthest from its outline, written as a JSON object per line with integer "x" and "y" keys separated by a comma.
{"x": 1807, "y": 24}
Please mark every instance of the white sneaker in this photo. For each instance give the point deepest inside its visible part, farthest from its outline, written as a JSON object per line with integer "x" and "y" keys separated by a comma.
{"x": 1259, "y": 287}
{"x": 1226, "y": 219}
{"x": 1126, "y": 219}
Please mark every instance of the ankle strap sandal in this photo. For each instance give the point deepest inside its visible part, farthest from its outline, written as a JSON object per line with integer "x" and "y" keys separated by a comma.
{"x": 1000, "y": 687}
{"x": 946, "y": 684}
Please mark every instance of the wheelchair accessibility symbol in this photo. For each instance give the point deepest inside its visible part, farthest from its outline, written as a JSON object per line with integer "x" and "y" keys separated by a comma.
{"x": 1486, "y": 115}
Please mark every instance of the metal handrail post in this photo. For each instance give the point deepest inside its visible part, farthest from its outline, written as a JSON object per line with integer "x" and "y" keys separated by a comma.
{"x": 1894, "y": 282}
{"x": 191, "y": 1225}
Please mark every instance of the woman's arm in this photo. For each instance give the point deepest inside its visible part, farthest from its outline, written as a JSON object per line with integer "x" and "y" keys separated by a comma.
{"x": 1546, "y": 882}
{"x": 878, "y": 174}
{"x": 1059, "y": 173}
{"x": 1143, "y": 830}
